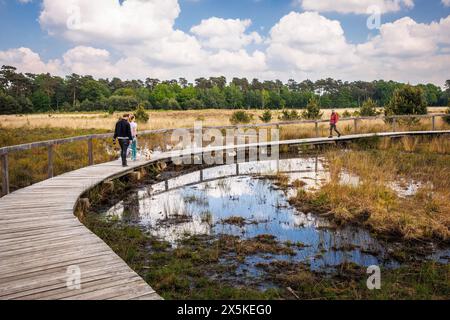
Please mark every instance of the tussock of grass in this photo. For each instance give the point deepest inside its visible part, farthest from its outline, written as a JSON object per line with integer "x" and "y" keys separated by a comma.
{"x": 424, "y": 216}
{"x": 200, "y": 267}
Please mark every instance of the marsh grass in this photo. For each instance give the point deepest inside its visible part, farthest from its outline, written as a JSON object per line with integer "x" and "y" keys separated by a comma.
{"x": 373, "y": 204}
{"x": 204, "y": 268}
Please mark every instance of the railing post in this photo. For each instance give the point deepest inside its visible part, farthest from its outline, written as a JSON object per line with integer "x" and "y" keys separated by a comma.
{"x": 5, "y": 176}
{"x": 91, "y": 152}
{"x": 165, "y": 140}
{"x": 356, "y": 125}
{"x": 50, "y": 161}
{"x": 433, "y": 123}
{"x": 317, "y": 129}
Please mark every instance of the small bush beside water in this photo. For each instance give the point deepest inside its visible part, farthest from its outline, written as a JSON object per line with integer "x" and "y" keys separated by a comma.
{"x": 447, "y": 119}
{"x": 408, "y": 100}
{"x": 312, "y": 111}
{"x": 141, "y": 115}
{"x": 369, "y": 109}
{"x": 289, "y": 115}
{"x": 241, "y": 117}
{"x": 266, "y": 116}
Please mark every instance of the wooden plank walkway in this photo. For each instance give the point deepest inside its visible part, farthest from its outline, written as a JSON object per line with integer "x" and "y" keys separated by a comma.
{"x": 40, "y": 238}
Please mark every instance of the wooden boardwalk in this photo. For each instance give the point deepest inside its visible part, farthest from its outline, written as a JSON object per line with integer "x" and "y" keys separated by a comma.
{"x": 40, "y": 238}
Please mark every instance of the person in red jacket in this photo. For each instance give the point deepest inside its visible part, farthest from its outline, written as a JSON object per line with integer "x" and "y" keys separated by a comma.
{"x": 333, "y": 124}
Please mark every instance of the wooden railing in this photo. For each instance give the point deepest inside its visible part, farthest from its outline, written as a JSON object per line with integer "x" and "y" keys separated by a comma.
{"x": 50, "y": 145}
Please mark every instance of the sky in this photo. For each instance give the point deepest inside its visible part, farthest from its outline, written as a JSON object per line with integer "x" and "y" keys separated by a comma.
{"x": 401, "y": 40}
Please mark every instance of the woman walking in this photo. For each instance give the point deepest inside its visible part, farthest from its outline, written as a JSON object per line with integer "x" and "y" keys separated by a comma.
{"x": 134, "y": 133}
{"x": 333, "y": 124}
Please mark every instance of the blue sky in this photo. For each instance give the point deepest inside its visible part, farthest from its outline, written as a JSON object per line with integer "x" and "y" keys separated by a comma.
{"x": 21, "y": 28}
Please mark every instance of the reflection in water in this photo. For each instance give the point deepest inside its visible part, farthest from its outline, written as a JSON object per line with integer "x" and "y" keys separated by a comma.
{"x": 191, "y": 207}
{"x": 200, "y": 210}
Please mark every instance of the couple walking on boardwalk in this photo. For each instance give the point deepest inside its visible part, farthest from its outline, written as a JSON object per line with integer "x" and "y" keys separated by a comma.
{"x": 126, "y": 132}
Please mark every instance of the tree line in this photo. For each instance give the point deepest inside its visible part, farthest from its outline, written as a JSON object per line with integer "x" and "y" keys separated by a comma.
{"x": 34, "y": 93}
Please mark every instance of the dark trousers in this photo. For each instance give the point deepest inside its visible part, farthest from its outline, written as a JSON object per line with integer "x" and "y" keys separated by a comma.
{"x": 124, "y": 144}
{"x": 334, "y": 127}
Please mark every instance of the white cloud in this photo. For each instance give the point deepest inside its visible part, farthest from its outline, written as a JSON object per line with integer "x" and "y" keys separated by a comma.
{"x": 354, "y": 6}
{"x": 308, "y": 45}
{"x": 88, "y": 60}
{"x": 28, "y": 61}
{"x": 115, "y": 39}
{"x": 229, "y": 34}
{"x": 310, "y": 42}
{"x": 86, "y": 21}
{"x": 238, "y": 61}
{"x": 142, "y": 31}
{"x": 401, "y": 38}
{"x": 446, "y": 3}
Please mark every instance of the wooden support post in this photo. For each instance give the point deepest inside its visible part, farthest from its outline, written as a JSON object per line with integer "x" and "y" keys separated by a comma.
{"x": 433, "y": 122}
{"x": 161, "y": 165}
{"x": 356, "y": 125}
{"x": 394, "y": 124}
{"x": 201, "y": 176}
{"x": 166, "y": 141}
{"x": 91, "y": 152}
{"x": 108, "y": 186}
{"x": 82, "y": 208}
{"x": 317, "y": 129}
{"x": 166, "y": 185}
{"x": 135, "y": 176}
{"x": 5, "y": 175}
{"x": 50, "y": 161}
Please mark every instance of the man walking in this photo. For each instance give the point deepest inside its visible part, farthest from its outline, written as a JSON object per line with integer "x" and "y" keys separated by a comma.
{"x": 123, "y": 133}
{"x": 333, "y": 124}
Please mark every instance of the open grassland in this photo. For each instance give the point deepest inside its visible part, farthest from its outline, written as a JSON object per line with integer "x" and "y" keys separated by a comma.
{"x": 29, "y": 167}
{"x": 373, "y": 203}
{"x": 158, "y": 119}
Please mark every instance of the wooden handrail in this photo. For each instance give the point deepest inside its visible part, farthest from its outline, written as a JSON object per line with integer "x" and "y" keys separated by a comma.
{"x": 89, "y": 138}
{"x": 43, "y": 144}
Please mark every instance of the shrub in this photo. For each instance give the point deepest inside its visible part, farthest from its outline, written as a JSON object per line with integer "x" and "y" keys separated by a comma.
{"x": 120, "y": 103}
{"x": 312, "y": 111}
{"x": 170, "y": 104}
{"x": 141, "y": 115}
{"x": 369, "y": 109}
{"x": 407, "y": 100}
{"x": 194, "y": 104}
{"x": 241, "y": 117}
{"x": 447, "y": 119}
{"x": 66, "y": 107}
{"x": 9, "y": 105}
{"x": 346, "y": 114}
{"x": 287, "y": 115}
{"x": 266, "y": 116}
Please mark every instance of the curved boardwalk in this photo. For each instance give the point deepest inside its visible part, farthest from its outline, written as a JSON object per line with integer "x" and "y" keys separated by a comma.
{"x": 40, "y": 238}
